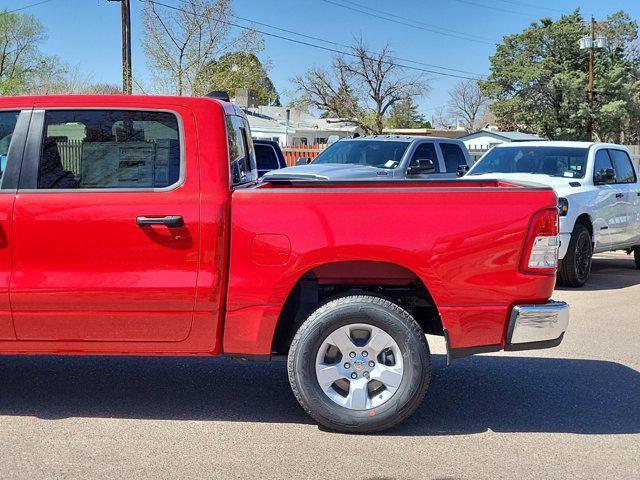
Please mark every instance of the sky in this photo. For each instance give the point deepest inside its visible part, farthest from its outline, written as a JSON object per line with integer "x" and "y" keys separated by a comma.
{"x": 86, "y": 33}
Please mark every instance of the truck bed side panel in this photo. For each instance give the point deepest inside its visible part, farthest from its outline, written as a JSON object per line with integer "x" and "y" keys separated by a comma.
{"x": 463, "y": 243}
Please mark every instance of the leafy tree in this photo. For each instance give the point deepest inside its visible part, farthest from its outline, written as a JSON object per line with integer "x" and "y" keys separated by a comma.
{"x": 237, "y": 70}
{"x": 539, "y": 82}
{"x": 23, "y": 68}
{"x": 360, "y": 88}
{"x": 404, "y": 114}
{"x": 179, "y": 43}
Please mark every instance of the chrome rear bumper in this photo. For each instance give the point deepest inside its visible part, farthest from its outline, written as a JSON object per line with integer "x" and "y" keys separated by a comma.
{"x": 537, "y": 326}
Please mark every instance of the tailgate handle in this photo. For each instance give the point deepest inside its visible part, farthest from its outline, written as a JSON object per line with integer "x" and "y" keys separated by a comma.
{"x": 171, "y": 221}
{"x": 619, "y": 195}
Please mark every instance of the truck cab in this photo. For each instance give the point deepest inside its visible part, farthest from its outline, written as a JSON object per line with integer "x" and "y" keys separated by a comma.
{"x": 385, "y": 157}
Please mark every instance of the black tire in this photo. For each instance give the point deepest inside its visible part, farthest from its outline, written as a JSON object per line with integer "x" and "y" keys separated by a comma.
{"x": 636, "y": 256}
{"x": 378, "y": 312}
{"x": 575, "y": 267}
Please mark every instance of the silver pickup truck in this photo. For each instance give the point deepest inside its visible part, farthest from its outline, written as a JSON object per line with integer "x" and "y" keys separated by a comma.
{"x": 383, "y": 156}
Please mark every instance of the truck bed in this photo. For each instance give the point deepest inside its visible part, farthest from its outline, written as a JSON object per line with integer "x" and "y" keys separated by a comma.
{"x": 461, "y": 239}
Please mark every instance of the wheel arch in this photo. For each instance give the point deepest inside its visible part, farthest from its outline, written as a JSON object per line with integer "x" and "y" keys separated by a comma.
{"x": 325, "y": 281}
{"x": 585, "y": 219}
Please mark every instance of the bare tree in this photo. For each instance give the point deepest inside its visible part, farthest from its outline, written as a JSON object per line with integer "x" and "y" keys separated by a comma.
{"x": 182, "y": 41}
{"x": 441, "y": 118}
{"x": 360, "y": 87}
{"x": 467, "y": 102}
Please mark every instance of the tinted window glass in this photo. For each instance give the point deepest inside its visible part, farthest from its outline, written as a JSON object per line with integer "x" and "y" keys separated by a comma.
{"x": 623, "y": 167}
{"x": 373, "y": 153}
{"x": 7, "y": 126}
{"x": 109, "y": 149}
{"x": 567, "y": 162}
{"x": 241, "y": 156}
{"x": 426, "y": 151}
{"x": 266, "y": 157}
{"x": 453, "y": 156}
{"x": 602, "y": 161}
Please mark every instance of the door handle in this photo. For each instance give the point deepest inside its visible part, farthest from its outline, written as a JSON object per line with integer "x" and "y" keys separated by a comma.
{"x": 619, "y": 195}
{"x": 171, "y": 221}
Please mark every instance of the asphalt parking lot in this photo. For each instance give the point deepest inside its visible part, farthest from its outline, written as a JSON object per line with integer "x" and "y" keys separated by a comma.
{"x": 569, "y": 412}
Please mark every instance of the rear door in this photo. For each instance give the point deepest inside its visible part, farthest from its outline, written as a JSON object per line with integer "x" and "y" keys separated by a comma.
{"x": 105, "y": 230}
{"x": 14, "y": 125}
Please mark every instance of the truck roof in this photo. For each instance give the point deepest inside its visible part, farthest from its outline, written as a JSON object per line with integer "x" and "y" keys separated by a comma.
{"x": 401, "y": 138}
{"x": 546, "y": 143}
{"x": 119, "y": 100}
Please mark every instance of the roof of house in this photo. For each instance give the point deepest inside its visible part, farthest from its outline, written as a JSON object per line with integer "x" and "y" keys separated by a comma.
{"x": 506, "y": 136}
{"x": 275, "y": 118}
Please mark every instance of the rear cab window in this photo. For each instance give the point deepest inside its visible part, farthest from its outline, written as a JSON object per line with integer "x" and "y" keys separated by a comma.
{"x": 110, "y": 149}
{"x": 266, "y": 157}
{"x": 242, "y": 163}
{"x": 453, "y": 156}
{"x": 622, "y": 166}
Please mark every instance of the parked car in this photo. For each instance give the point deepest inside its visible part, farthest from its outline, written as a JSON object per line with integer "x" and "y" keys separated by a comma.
{"x": 384, "y": 156}
{"x": 134, "y": 225}
{"x": 598, "y": 190}
{"x": 269, "y": 156}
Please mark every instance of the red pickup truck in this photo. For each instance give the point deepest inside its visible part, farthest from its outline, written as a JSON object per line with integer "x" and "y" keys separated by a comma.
{"x": 136, "y": 226}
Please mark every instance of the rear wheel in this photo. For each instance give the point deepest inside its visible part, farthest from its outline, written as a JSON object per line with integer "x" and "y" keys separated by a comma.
{"x": 575, "y": 267}
{"x": 359, "y": 363}
{"x": 636, "y": 255}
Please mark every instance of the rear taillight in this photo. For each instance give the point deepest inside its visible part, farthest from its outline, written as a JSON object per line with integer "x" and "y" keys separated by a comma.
{"x": 540, "y": 254}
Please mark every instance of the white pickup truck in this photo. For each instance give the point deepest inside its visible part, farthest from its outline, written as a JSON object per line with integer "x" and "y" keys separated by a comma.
{"x": 598, "y": 196}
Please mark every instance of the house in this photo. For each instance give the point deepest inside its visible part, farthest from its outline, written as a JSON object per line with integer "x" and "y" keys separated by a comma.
{"x": 427, "y": 132}
{"x": 292, "y": 127}
{"x": 479, "y": 142}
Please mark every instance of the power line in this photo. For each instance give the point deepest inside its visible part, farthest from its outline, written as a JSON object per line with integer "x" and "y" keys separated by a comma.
{"x": 531, "y": 5}
{"x": 407, "y": 24}
{"x": 418, "y": 21}
{"x": 331, "y": 42}
{"x": 490, "y": 7}
{"x": 27, "y": 6}
{"x": 320, "y": 47}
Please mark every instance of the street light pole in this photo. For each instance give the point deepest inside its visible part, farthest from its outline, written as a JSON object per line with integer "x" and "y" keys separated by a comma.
{"x": 127, "y": 79}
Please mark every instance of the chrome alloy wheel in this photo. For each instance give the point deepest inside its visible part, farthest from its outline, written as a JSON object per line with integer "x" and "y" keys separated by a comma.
{"x": 359, "y": 366}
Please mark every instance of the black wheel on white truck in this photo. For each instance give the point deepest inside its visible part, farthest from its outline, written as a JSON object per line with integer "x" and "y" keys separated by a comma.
{"x": 636, "y": 255}
{"x": 575, "y": 267}
{"x": 359, "y": 363}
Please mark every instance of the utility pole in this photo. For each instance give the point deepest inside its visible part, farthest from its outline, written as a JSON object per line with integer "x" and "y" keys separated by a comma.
{"x": 590, "y": 42}
{"x": 591, "y": 60}
{"x": 127, "y": 79}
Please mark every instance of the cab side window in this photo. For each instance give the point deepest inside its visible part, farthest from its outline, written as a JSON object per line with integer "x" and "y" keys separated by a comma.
{"x": 603, "y": 161}
{"x": 8, "y": 122}
{"x": 241, "y": 153}
{"x": 425, "y": 151}
{"x": 623, "y": 166}
{"x": 109, "y": 149}
{"x": 453, "y": 156}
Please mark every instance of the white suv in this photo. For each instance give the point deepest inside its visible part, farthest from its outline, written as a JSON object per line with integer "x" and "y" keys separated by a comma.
{"x": 598, "y": 196}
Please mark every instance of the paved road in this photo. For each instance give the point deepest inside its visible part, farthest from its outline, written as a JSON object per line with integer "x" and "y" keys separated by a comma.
{"x": 570, "y": 412}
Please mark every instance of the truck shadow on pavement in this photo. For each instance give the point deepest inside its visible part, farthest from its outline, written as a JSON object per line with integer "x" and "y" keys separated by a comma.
{"x": 505, "y": 394}
{"x": 610, "y": 272}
